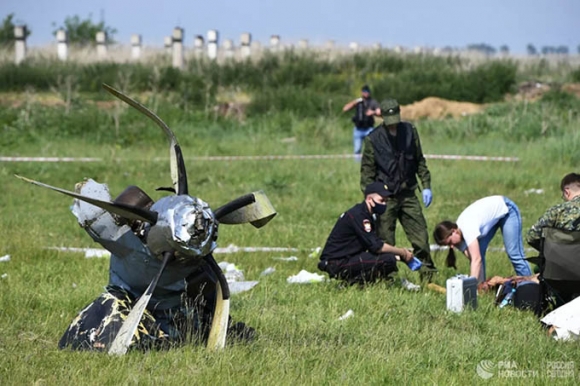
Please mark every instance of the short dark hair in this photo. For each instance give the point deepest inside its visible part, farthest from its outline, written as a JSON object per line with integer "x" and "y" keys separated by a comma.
{"x": 570, "y": 179}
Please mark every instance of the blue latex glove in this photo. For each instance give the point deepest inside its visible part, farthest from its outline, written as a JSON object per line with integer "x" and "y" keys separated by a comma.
{"x": 427, "y": 197}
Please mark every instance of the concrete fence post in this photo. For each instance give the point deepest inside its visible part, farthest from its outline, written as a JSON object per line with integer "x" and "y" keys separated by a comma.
{"x": 256, "y": 47}
{"x": 101, "y": 38}
{"x": 62, "y": 44}
{"x": 136, "y": 42}
{"x": 20, "y": 43}
{"x": 212, "y": 43}
{"x": 168, "y": 43}
{"x": 275, "y": 43}
{"x": 228, "y": 47}
{"x": 198, "y": 44}
{"x": 177, "y": 44}
{"x": 245, "y": 41}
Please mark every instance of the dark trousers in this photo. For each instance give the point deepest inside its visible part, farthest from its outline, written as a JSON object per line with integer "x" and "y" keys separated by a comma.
{"x": 406, "y": 208}
{"x": 363, "y": 268}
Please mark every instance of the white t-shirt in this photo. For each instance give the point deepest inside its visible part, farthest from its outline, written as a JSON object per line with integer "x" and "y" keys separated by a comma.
{"x": 478, "y": 218}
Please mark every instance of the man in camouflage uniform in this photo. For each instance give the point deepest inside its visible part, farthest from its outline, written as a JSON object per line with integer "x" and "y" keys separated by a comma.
{"x": 392, "y": 154}
{"x": 564, "y": 216}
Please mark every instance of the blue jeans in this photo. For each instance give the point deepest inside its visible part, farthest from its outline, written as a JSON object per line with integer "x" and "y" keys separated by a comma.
{"x": 511, "y": 230}
{"x": 358, "y": 135}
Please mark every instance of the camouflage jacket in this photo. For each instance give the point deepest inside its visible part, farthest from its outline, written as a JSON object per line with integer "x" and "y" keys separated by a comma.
{"x": 561, "y": 216}
{"x": 370, "y": 170}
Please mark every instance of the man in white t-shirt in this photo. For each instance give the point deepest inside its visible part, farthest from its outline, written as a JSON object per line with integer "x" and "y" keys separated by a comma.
{"x": 474, "y": 229}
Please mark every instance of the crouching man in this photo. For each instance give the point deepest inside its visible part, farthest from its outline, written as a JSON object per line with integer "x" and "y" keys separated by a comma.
{"x": 353, "y": 251}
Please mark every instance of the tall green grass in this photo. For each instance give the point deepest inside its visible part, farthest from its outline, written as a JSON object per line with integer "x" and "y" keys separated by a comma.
{"x": 303, "y": 83}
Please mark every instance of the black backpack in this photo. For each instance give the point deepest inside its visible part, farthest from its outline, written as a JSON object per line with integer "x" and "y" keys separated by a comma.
{"x": 360, "y": 119}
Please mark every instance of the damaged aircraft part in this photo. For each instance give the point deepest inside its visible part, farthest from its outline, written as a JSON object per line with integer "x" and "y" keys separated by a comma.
{"x": 134, "y": 229}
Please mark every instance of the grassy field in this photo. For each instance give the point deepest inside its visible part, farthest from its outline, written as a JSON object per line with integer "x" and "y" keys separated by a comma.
{"x": 394, "y": 337}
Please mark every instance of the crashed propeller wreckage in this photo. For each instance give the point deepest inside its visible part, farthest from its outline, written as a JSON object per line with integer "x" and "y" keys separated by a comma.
{"x": 165, "y": 288}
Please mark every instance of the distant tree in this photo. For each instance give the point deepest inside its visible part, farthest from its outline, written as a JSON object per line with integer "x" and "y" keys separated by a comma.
{"x": 83, "y": 32}
{"x": 504, "y": 50}
{"x": 483, "y": 48}
{"x": 532, "y": 50}
{"x": 7, "y": 31}
{"x": 578, "y": 49}
{"x": 560, "y": 50}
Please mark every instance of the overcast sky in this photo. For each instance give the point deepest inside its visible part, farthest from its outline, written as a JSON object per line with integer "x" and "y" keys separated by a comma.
{"x": 410, "y": 23}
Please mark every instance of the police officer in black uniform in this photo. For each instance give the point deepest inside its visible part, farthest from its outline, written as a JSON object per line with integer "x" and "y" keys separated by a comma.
{"x": 353, "y": 251}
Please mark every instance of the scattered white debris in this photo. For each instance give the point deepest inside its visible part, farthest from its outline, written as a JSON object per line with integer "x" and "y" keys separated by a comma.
{"x": 534, "y": 191}
{"x": 305, "y": 277}
{"x": 348, "y": 314}
{"x": 231, "y": 272}
{"x": 4, "y": 276}
{"x": 74, "y": 285}
{"x": 268, "y": 271}
{"x": 241, "y": 286}
{"x": 406, "y": 284}
{"x": 5, "y": 258}
{"x": 315, "y": 253}
{"x": 290, "y": 258}
{"x": 565, "y": 320}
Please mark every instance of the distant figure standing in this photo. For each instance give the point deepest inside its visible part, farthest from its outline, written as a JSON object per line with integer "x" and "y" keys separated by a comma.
{"x": 363, "y": 119}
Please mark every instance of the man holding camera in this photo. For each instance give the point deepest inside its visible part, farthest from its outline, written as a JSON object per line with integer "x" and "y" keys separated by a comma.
{"x": 366, "y": 109}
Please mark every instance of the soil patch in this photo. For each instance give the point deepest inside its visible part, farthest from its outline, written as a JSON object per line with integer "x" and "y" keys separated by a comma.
{"x": 438, "y": 108}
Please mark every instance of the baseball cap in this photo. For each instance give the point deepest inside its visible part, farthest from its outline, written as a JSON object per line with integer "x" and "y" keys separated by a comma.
{"x": 390, "y": 111}
{"x": 378, "y": 187}
{"x": 366, "y": 88}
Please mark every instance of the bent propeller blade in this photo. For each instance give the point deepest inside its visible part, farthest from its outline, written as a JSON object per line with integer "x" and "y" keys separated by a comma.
{"x": 221, "y": 315}
{"x": 123, "y": 338}
{"x": 254, "y": 208}
{"x": 178, "y": 174}
{"x": 126, "y": 211}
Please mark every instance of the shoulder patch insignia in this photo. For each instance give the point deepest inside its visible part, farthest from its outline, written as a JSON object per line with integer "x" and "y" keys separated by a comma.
{"x": 367, "y": 225}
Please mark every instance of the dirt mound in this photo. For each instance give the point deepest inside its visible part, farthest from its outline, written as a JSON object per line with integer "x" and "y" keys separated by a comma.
{"x": 572, "y": 88}
{"x": 437, "y": 108}
{"x": 533, "y": 91}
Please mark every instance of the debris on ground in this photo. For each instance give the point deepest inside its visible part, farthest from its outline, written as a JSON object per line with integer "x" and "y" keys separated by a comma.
{"x": 231, "y": 272}
{"x": 290, "y": 258}
{"x": 304, "y": 277}
{"x": 315, "y": 253}
{"x": 347, "y": 315}
{"x": 406, "y": 284}
{"x": 241, "y": 286}
{"x": 268, "y": 271}
{"x": 533, "y": 191}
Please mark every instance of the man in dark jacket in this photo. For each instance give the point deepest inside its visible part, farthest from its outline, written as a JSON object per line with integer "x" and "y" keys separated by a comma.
{"x": 392, "y": 155}
{"x": 353, "y": 251}
{"x": 366, "y": 109}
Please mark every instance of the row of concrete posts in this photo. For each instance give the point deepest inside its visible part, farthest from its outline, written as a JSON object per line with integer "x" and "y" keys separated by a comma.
{"x": 173, "y": 45}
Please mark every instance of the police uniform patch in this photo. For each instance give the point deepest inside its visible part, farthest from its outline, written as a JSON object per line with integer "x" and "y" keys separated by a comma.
{"x": 367, "y": 225}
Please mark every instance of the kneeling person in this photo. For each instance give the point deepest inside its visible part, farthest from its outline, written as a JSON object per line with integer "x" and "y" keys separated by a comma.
{"x": 353, "y": 251}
